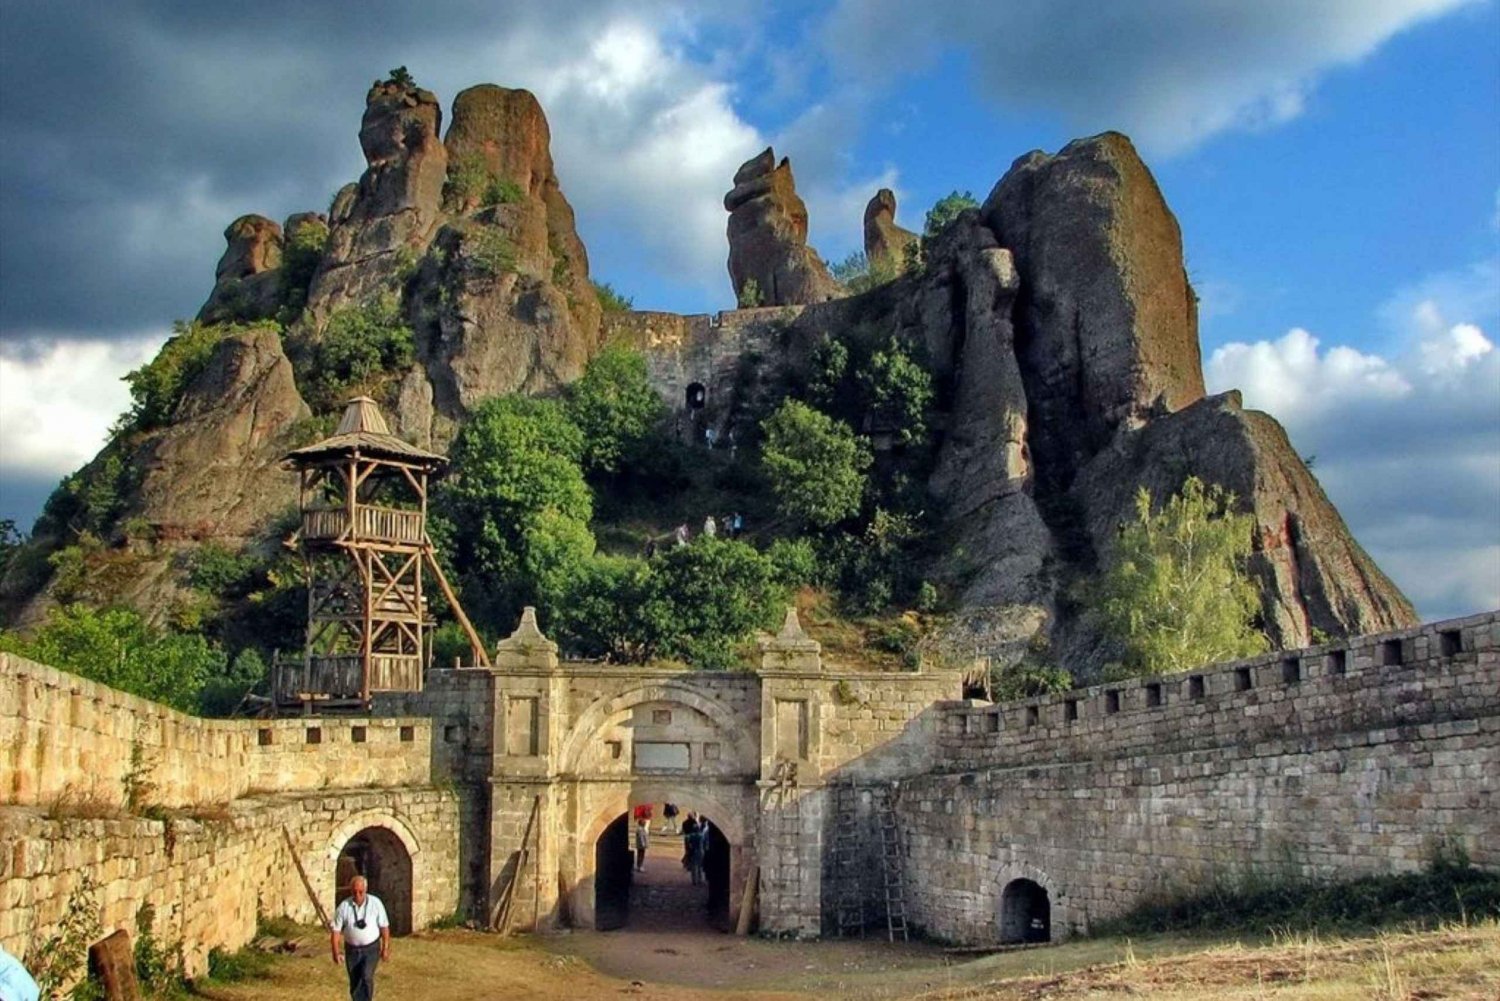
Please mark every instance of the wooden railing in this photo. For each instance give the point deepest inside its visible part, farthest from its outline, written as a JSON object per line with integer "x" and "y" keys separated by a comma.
{"x": 395, "y": 673}
{"x": 384, "y": 524}
{"x": 341, "y": 676}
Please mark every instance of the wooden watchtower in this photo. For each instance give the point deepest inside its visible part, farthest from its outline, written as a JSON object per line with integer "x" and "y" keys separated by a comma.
{"x": 365, "y": 547}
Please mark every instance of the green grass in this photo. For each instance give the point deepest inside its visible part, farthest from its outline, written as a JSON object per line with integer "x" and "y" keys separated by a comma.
{"x": 232, "y": 967}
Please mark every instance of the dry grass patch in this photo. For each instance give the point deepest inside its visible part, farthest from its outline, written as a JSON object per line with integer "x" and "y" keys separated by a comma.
{"x": 1455, "y": 962}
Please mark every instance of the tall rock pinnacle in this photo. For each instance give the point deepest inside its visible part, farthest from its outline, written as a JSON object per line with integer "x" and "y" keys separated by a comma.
{"x": 885, "y": 243}
{"x": 768, "y": 238}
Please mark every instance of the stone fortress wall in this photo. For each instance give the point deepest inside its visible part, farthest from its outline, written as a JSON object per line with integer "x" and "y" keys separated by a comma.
{"x": 193, "y": 815}
{"x": 1339, "y": 760}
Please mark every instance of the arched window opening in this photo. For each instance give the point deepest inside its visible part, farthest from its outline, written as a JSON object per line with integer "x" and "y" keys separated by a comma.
{"x": 378, "y": 855}
{"x": 697, "y": 396}
{"x": 1025, "y": 913}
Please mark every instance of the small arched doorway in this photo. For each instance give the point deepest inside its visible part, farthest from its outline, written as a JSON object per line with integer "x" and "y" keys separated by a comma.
{"x": 696, "y": 396}
{"x": 661, "y": 897}
{"x": 378, "y": 855}
{"x": 1025, "y": 913}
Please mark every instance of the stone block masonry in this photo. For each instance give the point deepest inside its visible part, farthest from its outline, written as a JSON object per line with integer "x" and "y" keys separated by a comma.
{"x": 65, "y": 737}
{"x": 1334, "y": 761}
{"x": 222, "y": 790}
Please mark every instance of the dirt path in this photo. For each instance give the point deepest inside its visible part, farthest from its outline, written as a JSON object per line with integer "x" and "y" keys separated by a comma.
{"x": 668, "y": 965}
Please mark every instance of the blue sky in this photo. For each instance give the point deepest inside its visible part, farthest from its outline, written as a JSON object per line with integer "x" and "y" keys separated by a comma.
{"x": 1335, "y": 165}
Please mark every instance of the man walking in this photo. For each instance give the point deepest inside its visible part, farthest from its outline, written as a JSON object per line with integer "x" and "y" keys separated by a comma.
{"x": 361, "y": 937}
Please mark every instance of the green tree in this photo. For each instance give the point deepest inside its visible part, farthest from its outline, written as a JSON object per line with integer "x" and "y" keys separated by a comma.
{"x": 615, "y": 407}
{"x": 859, "y": 274}
{"x": 300, "y": 258}
{"x": 119, "y": 648}
{"x": 1175, "y": 594}
{"x": 897, "y": 391}
{"x": 612, "y": 301}
{"x": 946, "y": 210}
{"x": 815, "y": 464}
{"x": 517, "y": 508}
{"x": 702, "y": 601}
{"x": 602, "y": 613}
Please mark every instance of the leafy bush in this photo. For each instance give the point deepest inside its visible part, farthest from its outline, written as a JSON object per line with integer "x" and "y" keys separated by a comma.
{"x": 120, "y": 649}
{"x": 501, "y": 191}
{"x": 489, "y": 250}
{"x": 815, "y": 465}
{"x": 947, "y": 209}
{"x": 604, "y": 613}
{"x": 470, "y": 183}
{"x": 859, "y": 274}
{"x": 220, "y": 571}
{"x": 359, "y": 343}
{"x": 157, "y": 387}
{"x": 795, "y": 562}
{"x": 897, "y": 391}
{"x": 300, "y": 257}
{"x": 233, "y": 967}
{"x": 612, "y": 301}
{"x": 615, "y": 407}
{"x": 750, "y": 295}
{"x": 401, "y": 78}
{"x": 1174, "y": 594}
{"x": 63, "y": 956}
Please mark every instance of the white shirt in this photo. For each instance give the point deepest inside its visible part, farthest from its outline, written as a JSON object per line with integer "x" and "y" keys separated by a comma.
{"x": 347, "y": 916}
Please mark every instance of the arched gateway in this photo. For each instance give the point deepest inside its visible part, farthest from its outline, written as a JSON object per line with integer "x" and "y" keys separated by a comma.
{"x": 572, "y": 748}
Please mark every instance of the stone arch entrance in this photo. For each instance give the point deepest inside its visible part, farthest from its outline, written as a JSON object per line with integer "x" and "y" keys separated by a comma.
{"x": 662, "y": 897}
{"x": 1025, "y": 913}
{"x": 379, "y": 855}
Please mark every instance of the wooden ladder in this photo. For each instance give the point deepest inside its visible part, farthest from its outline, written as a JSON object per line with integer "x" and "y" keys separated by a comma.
{"x": 890, "y": 864}
{"x": 846, "y": 864}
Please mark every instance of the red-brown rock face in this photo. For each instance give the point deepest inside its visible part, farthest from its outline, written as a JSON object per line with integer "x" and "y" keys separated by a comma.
{"x": 768, "y": 238}
{"x": 519, "y": 312}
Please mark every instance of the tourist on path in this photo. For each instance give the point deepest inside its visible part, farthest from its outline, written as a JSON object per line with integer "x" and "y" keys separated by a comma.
{"x": 669, "y": 811}
{"x": 642, "y": 842}
{"x": 680, "y": 536}
{"x": 692, "y": 843}
{"x": 709, "y": 528}
{"x": 361, "y": 937}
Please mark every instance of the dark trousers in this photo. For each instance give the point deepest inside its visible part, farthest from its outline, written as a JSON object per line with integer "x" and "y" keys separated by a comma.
{"x": 640, "y": 858}
{"x": 360, "y": 962}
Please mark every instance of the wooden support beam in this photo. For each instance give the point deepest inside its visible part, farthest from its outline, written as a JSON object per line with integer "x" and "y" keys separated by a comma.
{"x": 481, "y": 655}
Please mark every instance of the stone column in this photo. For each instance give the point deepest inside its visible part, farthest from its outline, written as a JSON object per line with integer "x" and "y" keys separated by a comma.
{"x": 792, "y": 798}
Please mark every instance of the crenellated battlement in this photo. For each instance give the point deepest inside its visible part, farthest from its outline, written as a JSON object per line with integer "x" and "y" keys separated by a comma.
{"x": 1425, "y": 675}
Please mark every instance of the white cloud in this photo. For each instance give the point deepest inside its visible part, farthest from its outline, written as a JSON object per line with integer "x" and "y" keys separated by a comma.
{"x": 1169, "y": 72}
{"x": 58, "y": 399}
{"x": 1407, "y": 447}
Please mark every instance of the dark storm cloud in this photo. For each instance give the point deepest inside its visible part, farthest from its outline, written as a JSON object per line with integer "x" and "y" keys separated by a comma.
{"x": 134, "y": 133}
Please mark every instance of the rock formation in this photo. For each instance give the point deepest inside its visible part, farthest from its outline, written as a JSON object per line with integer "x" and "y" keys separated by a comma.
{"x": 1057, "y": 321}
{"x": 886, "y": 244}
{"x": 1108, "y": 320}
{"x": 393, "y": 212}
{"x": 247, "y": 281}
{"x": 509, "y": 285}
{"x": 768, "y": 238}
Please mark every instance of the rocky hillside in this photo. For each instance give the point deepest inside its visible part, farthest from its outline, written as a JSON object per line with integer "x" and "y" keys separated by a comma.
{"x": 1057, "y": 320}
